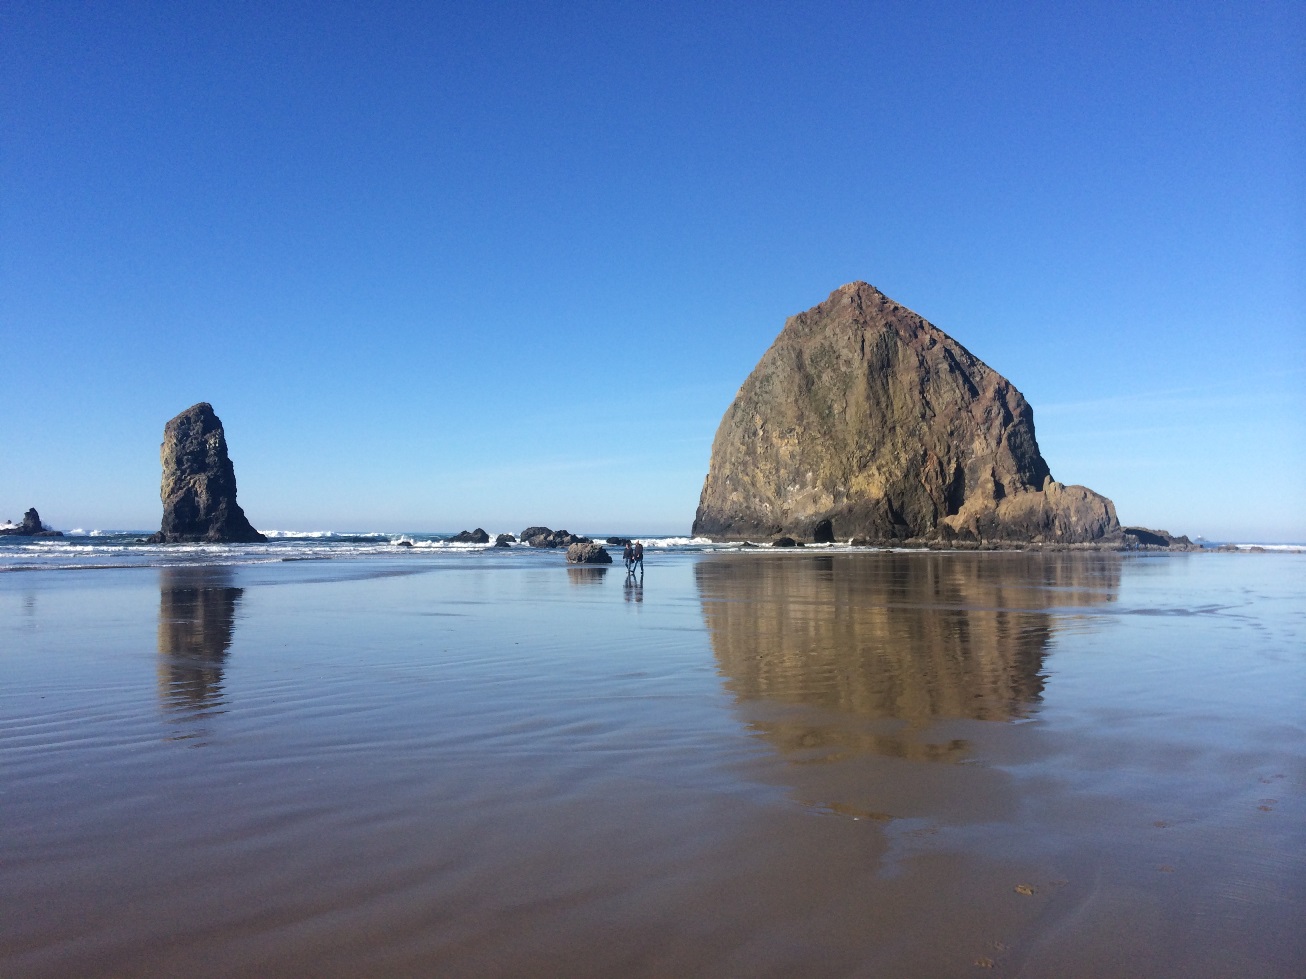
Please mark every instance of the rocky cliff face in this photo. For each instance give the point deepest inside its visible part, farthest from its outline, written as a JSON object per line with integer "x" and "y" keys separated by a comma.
{"x": 199, "y": 483}
{"x": 865, "y": 416}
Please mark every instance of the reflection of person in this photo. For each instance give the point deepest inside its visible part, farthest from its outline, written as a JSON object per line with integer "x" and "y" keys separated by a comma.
{"x": 638, "y": 557}
{"x": 628, "y": 555}
{"x": 634, "y": 589}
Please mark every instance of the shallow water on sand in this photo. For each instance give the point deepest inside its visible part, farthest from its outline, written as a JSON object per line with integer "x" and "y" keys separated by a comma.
{"x": 750, "y": 765}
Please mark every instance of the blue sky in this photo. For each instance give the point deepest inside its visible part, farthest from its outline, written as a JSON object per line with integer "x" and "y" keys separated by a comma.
{"x": 447, "y": 265}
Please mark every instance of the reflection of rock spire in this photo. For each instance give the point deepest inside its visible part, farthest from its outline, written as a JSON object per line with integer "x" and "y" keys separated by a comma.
{"x": 197, "y": 612}
{"x": 892, "y": 637}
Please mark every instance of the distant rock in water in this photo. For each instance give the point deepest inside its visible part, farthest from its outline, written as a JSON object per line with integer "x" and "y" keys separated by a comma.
{"x": 538, "y": 537}
{"x": 199, "y": 483}
{"x": 30, "y": 527}
{"x": 1140, "y": 538}
{"x": 477, "y": 536}
{"x": 864, "y": 420}
{"x": 544, "y": 537}
{"x": 504, "y": 540}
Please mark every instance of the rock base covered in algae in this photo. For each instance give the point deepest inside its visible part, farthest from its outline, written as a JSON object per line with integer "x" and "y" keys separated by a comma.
{"x": 199, "y": 483}
{"x": 864, "y": 421}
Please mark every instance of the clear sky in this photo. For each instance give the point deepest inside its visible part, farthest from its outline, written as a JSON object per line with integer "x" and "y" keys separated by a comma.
{"x": 446, "y": 265}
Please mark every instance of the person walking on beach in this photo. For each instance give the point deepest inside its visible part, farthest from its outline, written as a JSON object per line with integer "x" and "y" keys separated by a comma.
{"x": 638, "y": 557}
{"x": 628, "y": 555}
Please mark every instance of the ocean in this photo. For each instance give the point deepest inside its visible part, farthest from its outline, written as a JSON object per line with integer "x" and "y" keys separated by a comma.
{"x": 127, "y": 549}
{"x": 336, "y": 756}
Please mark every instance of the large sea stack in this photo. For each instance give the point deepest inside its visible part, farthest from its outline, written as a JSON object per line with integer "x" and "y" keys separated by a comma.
{"x": 199, "y": 483}
{"x": 865, "y": 421}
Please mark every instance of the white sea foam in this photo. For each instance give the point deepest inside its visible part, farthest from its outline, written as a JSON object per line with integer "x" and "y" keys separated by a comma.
{"x": 448, "y": 545}
{"x": 324, "y": 534}
{"x": 1287, "y": 548}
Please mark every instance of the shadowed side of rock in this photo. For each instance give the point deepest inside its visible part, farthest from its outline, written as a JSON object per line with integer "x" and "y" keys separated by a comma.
{"x": 865, "y": 421}
{"x": 199, "y": 483}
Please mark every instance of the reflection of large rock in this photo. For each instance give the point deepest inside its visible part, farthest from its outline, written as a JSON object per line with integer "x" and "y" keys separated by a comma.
{"x": 197, "y": 613}
{"x": 893, "y": 637}
{"x": 865, "y": 416}
{"x": 199, "y": 483}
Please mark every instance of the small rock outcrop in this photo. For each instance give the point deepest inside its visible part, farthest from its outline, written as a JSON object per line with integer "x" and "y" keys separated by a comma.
{"x": 1142, "y": 539}
{"x": 1147, "y": 538}
{"x": 544, "y": 537}
{"x": 30, "y": 527}
{"x": 199, "y": 483}
{"x": 588, "y": 553}
{"x": 477, "y": 536}
{"x": 504, "y": 540}
{"x": 864, "y": 420}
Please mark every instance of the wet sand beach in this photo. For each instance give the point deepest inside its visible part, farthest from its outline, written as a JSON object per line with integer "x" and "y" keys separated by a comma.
{"x": 794, "y": 764}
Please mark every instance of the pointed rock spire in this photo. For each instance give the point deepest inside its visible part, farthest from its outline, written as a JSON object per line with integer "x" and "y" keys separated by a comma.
{"x": 199, "y": 483}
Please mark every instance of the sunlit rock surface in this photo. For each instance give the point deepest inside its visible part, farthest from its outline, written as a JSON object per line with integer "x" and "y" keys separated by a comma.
{"x": 863, "y": 420}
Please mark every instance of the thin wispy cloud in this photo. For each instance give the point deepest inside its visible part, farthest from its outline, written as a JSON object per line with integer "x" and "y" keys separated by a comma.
{"x": 1206, "y": 395}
